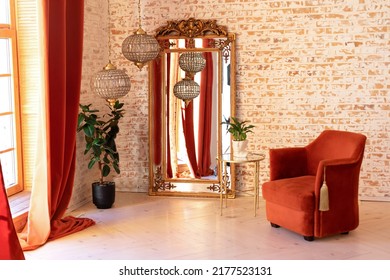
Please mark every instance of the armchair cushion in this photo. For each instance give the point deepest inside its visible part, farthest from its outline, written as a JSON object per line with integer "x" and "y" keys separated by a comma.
{"x": 295, "y": 193}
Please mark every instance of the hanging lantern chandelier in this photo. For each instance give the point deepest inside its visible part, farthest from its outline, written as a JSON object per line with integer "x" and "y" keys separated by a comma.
{"x": 140, "y": 47}
{"x": 110, "y": 83}
{"x": 186, "y": 90}
{"x": 192, "y": 62}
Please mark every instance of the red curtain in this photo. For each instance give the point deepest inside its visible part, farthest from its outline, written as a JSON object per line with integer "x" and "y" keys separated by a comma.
{"x": 167, "y": 120}
{"x": 10, "y": 248}
{"x": 200, "y": 165}
{"x": 188, "y": 130}
{"x": 63, "y": 22}
{"x": 157, "y": 96}
{"x": 205, "y": 115}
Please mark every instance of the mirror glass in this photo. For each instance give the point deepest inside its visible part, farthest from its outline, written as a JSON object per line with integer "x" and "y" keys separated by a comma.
{"x": 186, "y": 138}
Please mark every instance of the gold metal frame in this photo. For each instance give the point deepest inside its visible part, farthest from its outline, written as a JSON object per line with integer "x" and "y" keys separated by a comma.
{"x": 225, "y": 190}
{"x": 224, "y": 45}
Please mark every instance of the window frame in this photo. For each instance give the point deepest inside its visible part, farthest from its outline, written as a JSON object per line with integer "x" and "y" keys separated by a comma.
{"x": 9, "y": 31}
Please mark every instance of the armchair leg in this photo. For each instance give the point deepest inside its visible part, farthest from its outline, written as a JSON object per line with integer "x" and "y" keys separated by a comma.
{"x": 309, "y": 238}
{"x": 275, "y": 225}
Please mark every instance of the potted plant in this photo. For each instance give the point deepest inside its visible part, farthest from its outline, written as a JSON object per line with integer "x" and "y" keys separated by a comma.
{"x": 99, "y": 134}
{"x": 239, "y": 131}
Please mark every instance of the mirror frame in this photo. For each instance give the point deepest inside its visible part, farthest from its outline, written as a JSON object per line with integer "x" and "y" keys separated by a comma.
{"x": 190, "y": 30}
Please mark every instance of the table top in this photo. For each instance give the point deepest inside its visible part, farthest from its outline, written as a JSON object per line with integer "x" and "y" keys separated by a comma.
{"x": 251, "y": 157}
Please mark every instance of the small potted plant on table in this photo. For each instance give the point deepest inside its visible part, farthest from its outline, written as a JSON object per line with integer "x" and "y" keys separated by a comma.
{"x": 99, "y": 134}
{"x": 238, "y": 130}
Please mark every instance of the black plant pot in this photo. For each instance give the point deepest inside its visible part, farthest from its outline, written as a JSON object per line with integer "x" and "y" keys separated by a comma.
{"x": 103, "y": 195}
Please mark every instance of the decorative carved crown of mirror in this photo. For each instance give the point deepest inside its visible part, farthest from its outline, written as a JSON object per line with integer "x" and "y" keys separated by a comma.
{"x": 187, "y": 137}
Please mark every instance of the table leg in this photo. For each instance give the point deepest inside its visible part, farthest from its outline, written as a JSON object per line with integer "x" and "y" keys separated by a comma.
{"x": 223, "y": 185}
{"x": 256, "y": 202}
{"x": 226, "y": 183}
{"x": 223, "y": 195}
{"x": 221, "y": 199}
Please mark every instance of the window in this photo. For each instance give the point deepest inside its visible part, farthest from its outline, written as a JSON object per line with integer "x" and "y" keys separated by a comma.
{"x": 10, "y": 136}
{"x": 20, "y": 91}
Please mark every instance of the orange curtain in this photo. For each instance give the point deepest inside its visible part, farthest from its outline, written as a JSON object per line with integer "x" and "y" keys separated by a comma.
{"x": 189, "y": 137}
{"x": 157, "y": 101}
{"x": 205, "y": 115}
{"x": 63, "y": 41}
{"x": 9, "y": 243}
{"x": 200, "y": 165}
{"x": 167, "y": 120}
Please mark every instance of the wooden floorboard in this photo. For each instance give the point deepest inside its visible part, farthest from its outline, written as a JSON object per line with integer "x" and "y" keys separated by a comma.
{"x": 142, "y": 227}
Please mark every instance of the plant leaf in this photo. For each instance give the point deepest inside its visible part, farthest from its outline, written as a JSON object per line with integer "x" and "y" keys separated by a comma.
{"x": 80, "y": 119}
{"x": 106, "y": 170}
{"x": 92, "y": 162}
{"x": 116, "y": 167}
{"x": 89, "y": 130}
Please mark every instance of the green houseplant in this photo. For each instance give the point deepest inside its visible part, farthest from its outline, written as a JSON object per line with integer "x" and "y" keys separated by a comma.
{"x": 99, "y": 134}
{"x": 239, "y": 131}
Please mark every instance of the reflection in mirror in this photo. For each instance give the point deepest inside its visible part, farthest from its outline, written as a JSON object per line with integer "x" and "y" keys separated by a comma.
{"x": 185, "y": 133}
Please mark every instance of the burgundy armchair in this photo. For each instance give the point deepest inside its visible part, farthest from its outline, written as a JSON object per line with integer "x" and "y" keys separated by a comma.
{"x": 299, "y": 199}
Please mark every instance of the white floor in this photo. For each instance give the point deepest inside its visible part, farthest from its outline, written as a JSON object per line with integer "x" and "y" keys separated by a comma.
{"x": 142, "y": 227}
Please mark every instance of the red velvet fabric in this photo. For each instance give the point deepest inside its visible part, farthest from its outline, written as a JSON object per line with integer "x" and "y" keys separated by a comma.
{"x": 10, "y": 248}
{"x": 157, "y": 101}
{"x": 189, "y": 136}
{"x": 63, "y": 21}
{"x": 296, "y": 179}
{"x": 277, "y": 214}
{"x": 205, "y": 115}
{"x": 168, "y": 145}
{"x": 281, "y": 160}
{"x": 298, "y": 192}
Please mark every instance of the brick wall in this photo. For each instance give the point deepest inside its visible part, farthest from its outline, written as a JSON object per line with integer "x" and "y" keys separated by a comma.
{"x": 95, "y": 57}
{"x": 302, "y": 67}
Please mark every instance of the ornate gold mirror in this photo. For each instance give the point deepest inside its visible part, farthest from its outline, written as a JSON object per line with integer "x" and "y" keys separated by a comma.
{"x": 186, "y": 137}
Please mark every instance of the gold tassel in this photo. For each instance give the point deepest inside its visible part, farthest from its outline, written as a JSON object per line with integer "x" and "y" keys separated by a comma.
{"x": 324, "y": 195}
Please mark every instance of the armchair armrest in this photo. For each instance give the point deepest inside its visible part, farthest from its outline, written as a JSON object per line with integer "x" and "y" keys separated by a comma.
{"x": 337, "y": 171}
{"x": 287, "y": 163}
{"x": 342, "y": 180}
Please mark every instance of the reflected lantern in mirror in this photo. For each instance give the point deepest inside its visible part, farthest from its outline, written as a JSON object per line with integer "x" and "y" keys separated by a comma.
{"x": 186, "y": 90}
{"x": 140, "y": 48}
{"x": 192, "y": 62}
{"x": 110, "y": 83}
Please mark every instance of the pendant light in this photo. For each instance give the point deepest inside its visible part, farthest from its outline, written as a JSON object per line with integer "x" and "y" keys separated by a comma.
{"x": 140, "y": 47}
{"x": 110, "y": 83}
{"x": 192, "y": 62}
{"x": 186, "y": 90}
